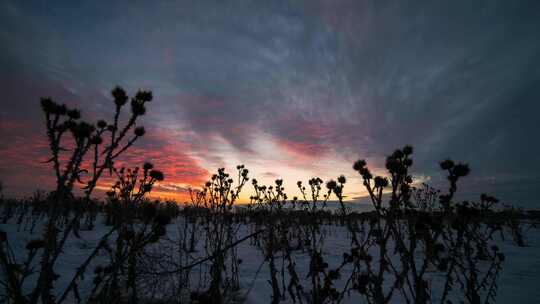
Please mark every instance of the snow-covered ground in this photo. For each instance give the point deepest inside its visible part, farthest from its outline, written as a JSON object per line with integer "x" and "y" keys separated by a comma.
{"x": 518, "y": 282}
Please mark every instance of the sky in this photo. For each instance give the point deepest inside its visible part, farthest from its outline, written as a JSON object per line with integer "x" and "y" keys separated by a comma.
{"x": 290, "y": 89}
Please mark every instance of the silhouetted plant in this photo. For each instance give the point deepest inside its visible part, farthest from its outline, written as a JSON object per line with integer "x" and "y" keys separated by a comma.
{"x": 218, "y": 196}
{"x": 70, "y": 141}
{"x": 418, "y": 245}
{"x": 137, "y": 223}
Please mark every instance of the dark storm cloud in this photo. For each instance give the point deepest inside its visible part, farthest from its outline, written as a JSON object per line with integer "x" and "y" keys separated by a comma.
{"x": 351, "y": 78}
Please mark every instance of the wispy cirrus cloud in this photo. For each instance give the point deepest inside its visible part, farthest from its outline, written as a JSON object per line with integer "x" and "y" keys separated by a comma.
{"x": 295, "y": 88}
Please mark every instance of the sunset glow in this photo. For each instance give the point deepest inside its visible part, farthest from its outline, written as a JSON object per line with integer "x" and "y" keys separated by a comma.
{"x": 291, "y": 91}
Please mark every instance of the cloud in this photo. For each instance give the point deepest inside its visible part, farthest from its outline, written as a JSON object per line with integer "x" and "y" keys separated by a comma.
{"x": 22, "y": 159}
{"x": 269, "y": 175}
{"x": 318, "y": 82}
